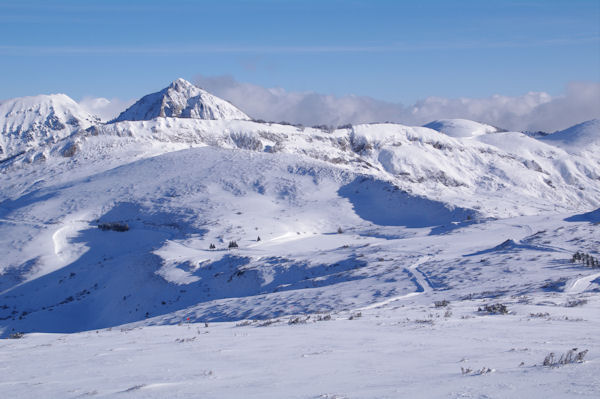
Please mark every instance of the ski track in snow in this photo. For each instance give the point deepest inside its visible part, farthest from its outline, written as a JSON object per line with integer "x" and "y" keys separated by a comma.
{"x": 59, "y": 240}
{"x": 580, "y": 284}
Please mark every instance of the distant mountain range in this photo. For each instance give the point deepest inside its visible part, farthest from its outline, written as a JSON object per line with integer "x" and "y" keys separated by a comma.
{"x": 29, "y": 122}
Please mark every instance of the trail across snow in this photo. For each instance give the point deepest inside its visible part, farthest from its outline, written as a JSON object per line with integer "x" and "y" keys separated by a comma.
{"x": 419, "y": 279}
{"x": 580, "y": 284}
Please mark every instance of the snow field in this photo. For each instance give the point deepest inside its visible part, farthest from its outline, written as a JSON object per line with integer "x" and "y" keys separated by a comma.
{"x": 393, "y": 261}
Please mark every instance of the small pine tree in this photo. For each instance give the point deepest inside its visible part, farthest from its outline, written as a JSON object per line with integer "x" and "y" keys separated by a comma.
{"x": 212, "y": 246}
{"x": 258, "y": 238}
{"x": 232, "y": 244}
{"x": 339, "y": 230}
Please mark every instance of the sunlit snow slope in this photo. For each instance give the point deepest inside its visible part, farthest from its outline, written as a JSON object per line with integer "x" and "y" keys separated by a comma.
{"x": 323, "y": 220}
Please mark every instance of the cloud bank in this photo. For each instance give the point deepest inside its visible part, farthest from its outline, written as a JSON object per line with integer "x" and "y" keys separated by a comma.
{"x": 532, "y": 111}
{"x": 104, "y": 108}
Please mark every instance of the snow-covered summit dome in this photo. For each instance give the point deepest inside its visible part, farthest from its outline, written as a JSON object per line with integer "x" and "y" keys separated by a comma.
{"x": 181, "y": 99}
{"x": 581, "y": 136}
{"x": 460, "y": 127}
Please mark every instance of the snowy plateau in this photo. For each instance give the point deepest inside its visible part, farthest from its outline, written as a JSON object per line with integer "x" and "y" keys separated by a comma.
{"x": 184, "y": 250}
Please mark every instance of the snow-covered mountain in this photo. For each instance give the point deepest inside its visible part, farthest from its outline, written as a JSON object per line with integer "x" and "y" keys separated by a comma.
{"x": 30, "y": 122}
{"x": 461, "y": 127}
{"x": 410, "y": 230}
{"x": 583, "y": 137}
{"x": 181, "y": 99}
{"x": 526, "y": 175}
{"x": 247, "y": 179}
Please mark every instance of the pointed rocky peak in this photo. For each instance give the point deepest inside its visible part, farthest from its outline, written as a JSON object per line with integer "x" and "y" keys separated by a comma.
{"x": 181, "y": 99}
{"x": 27, "y": 122}
{"x": 181, "y": 85}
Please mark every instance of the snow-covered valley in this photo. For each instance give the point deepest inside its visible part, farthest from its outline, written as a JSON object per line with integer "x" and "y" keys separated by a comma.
{"x": 165, "y": 255}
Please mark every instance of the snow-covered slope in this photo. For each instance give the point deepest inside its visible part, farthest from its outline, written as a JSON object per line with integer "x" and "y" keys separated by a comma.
{"x": 502, "y": 174}
{"x": 29, "y": 122}
{"x": 279, "y": 237}
{"x": 583, "y": 137}
{"x": 402, "y": 350}
{"x": 287, "y": 185}
{"x": 183, "y": 100}
{"x": 460, "y": 127}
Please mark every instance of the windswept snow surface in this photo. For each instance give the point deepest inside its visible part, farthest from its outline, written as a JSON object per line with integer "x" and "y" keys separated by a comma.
{"x": 181, "y": 99}
{"x": 345, "y": 242}
{"x": 406, "y": 350}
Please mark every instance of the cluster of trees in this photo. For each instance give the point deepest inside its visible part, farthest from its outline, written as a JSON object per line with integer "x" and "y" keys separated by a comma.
{"x": 585, "y": 259}
{"x": 232, "y": 244}
{"x": 114, "y": 226}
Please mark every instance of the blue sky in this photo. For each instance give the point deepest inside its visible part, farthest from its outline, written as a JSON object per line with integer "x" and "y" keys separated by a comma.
{"x": 396, "y": 51}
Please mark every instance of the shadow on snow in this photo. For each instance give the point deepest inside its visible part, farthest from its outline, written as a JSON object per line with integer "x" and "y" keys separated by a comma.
{"x": 592, "y": 217}
{"x": 384, "y": 204}
{"x": 115, "y": 281}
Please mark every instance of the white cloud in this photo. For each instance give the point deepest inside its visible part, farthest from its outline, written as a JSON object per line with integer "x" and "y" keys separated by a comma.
{"x": 104, "y": 108}
{"x": 531, "y": 111}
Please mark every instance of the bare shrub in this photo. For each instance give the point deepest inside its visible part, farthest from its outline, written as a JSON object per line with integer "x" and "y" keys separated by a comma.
{"x": 571, "y": 303}
{"x": 16, "y": 335}
{"x": 298, "y": 320}
{"x": 323, "y": 317}
{"x": 497, "y": 308}
{"x": 267, "y": 322}
{"x": 539, "y": 314}
{"x": 441, "y": 304}
{"x": 482, "y": 371}
{"x": 355, "y": 316}
{"x": 569, "y": 357}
